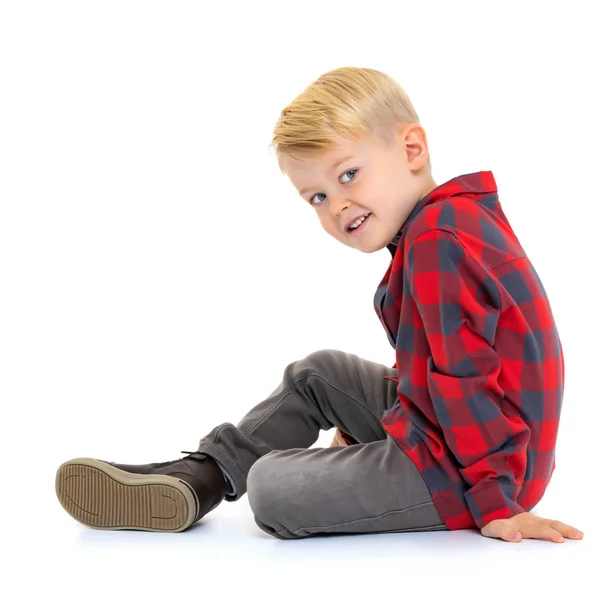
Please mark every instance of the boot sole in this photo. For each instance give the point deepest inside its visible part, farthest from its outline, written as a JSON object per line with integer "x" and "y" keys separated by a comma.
{"x": 104, "y": 497}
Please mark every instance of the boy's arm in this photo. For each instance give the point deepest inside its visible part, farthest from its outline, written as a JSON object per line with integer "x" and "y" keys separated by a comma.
{"x": 459, "y": 305}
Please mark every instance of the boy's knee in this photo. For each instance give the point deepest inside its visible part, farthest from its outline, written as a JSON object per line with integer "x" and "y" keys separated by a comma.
{"x": 260, "y": 488}
{"x": 268, "y": 491}
{"x": 321, "y": 357}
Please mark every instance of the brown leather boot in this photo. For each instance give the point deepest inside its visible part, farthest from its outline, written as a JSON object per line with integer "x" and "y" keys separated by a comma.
{"x": 168, "y": 496}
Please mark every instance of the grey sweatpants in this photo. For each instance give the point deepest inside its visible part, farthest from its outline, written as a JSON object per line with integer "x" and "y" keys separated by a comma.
{"x": 296, "y": 491}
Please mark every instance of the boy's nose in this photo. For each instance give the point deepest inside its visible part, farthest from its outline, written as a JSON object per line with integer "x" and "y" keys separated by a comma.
{"x": 340, "y": 209}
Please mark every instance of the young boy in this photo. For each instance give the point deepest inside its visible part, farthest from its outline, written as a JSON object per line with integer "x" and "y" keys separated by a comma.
{"x": 460, "y": 433}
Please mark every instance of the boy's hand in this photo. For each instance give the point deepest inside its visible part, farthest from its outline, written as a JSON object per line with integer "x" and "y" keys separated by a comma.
{"x": 526, "y": 525}
{"x": 338, "y": 440}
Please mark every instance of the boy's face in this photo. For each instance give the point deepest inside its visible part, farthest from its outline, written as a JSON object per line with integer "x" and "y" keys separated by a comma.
{"x": 372, "y": 177}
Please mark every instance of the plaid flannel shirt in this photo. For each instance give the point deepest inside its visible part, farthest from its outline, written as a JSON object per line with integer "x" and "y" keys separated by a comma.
{"x": 479, "y": 360}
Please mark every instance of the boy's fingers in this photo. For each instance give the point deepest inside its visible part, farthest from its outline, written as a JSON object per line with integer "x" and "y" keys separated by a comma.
{"x": 565, "y": 530}
{"x": 538, "y": 531}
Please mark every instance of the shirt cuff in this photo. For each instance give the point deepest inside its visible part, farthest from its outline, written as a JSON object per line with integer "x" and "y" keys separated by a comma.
{"x": 488, "y": 502}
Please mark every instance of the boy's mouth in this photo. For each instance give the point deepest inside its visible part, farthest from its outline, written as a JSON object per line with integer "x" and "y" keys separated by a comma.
{"x": 360, "y": 227}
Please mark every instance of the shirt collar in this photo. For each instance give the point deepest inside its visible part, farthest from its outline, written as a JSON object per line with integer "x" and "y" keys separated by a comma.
{"x": 480, "y": 182}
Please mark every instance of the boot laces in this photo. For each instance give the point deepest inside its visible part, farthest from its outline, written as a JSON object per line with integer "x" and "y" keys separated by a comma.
{"x": 190, "y": 454}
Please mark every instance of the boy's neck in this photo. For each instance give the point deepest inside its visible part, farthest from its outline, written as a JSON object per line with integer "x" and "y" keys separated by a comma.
{"x": 428, "y": 186}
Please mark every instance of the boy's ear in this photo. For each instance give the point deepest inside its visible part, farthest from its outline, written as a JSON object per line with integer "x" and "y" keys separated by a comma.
{"x": 415, "y": 142}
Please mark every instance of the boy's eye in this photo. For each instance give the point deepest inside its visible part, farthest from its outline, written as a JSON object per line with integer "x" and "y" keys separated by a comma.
{"x": 350, "y": 171}
{"x": 312, "y": 200}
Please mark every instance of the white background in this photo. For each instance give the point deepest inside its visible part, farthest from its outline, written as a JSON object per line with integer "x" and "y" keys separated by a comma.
{"x": 158, "y": 273}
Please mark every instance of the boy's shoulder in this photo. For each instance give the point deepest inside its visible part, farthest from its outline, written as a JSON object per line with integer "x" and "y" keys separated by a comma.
{"x": 460, "y": 215}
{"x": 476, "y": 222}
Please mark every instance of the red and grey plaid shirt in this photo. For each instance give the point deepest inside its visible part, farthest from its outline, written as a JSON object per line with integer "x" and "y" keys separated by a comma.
{"x": 479, "y": 360}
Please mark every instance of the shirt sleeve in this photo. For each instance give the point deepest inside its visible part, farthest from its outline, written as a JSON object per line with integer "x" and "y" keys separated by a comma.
{"x": 459, "y": 305}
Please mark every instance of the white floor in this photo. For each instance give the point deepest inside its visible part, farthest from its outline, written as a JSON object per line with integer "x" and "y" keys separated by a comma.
{"x": 54, "y": 556}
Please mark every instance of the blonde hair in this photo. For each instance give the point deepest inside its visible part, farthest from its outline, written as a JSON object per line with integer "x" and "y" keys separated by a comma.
{"x": 350, "y": 102}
